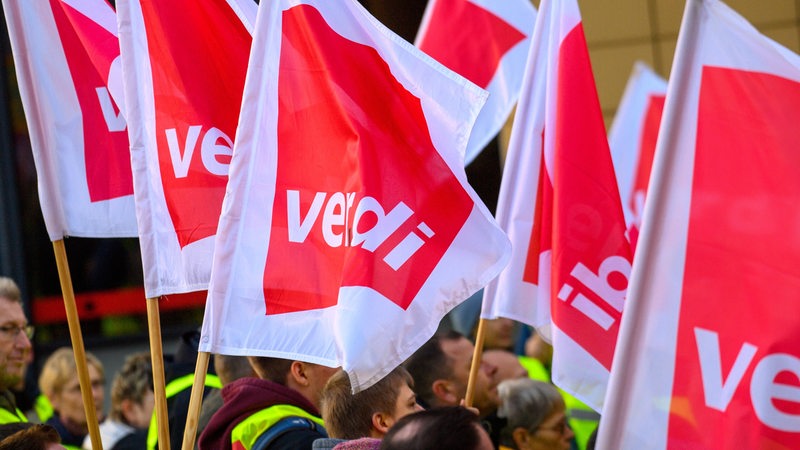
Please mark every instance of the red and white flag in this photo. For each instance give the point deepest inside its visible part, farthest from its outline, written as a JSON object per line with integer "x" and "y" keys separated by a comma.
{"x": 708, "y": 355}
{"x": 560, "y": 206}
{"x": 349, "y": 229}
{"x": 632, "y": 139}
{"x": 66, "y": 55}
{"x": 487, "y": 42}
{"x": 184, "y": 64}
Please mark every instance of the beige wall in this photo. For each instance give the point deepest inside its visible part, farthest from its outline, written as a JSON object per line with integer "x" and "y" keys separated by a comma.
{"x": 619, "y": 32}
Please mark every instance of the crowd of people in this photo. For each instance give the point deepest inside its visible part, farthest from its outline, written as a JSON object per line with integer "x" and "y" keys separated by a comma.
{"x": 271, "y": 403}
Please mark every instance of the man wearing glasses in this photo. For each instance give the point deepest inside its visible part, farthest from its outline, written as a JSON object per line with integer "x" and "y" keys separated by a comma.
{"x": 15, "y": 345}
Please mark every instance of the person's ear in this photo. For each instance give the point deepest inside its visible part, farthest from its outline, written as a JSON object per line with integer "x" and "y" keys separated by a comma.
{"x": 298, "y": 372}
{"x": 521, "y": 437}
{"x": 381, "y": 422}
{"x": 443, "y": 390}
{"x": 127, "y": 407}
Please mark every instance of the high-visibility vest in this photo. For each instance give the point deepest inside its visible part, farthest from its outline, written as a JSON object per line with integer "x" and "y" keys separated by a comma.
{"x": 7, "y": 416}
{"x": 43, "y": 409}
{"x": 246, "y": 433}
{"x": 172, "y": 389}
{"x": 582, "y": 419}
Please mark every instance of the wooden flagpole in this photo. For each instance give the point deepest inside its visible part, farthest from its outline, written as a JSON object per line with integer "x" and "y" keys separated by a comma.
{"x": 77, "y": 342}
{"x": 159, "y": 385}
{"x": 196, "y": 400}
{"x": 477, "y": 355}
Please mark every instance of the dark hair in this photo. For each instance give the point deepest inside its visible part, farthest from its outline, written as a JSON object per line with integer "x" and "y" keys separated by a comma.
{"x": 434, "y": 429}
{"x": 272, "y": 369}
{"x": 348, "y": 415}
{"x": 429, "y": 363}
{"x": 33, "y": 437}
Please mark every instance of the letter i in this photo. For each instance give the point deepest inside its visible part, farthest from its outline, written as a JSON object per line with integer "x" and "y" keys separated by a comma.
{"x": 407, "y": 247}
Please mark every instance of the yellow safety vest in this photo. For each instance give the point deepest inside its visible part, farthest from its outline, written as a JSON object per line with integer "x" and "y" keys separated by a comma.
{"x": 43, "y": 408}
{"x": 7, "y": 416}
{"x": 582, "y": 419}
{"x": 172, "y": 389}
{"x": 248, "y": 431}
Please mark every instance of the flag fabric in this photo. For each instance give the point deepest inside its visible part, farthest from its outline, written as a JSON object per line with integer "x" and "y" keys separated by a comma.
{"x": 349, "y": 229}
{"x": 632, "y": 139}
{"x": 487, "y": 42}
{"x": 184, "y": 65}
{"x": 66, "y": 55}
{"x": 708, "y": 354}
{"x": 560, "y": 206}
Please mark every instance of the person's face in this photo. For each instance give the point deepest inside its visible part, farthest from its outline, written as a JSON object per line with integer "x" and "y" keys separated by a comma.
{"x": 14, "y": 343}
{"x": 459, "y": 352}
{"x": 69, "y": 402}
{"x": 406, "y": 404}
{"x": 138, "y": 415}
{"x": 552, "y": 434}
{"x": 508, "y": 365}
{"x": 499, "y": 334}
{"x": 318, "y": 375}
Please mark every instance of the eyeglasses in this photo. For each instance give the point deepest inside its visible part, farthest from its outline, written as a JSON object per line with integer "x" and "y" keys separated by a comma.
{"x": 12, "y": 331}
{"x": 560, "y": 427}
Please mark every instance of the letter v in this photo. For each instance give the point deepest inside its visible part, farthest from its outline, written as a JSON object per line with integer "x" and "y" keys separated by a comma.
{"x": 180, "y": 164}
{"x": 115, "y": 121}
{"x": 718, "y": 393}
{"x": 298, "y": 230}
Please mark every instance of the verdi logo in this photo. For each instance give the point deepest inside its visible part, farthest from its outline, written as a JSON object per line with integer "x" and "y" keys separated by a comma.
{"x": 363, "y": 198}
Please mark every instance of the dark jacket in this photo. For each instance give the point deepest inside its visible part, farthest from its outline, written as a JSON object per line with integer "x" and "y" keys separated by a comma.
{"x": 247, "y": 396}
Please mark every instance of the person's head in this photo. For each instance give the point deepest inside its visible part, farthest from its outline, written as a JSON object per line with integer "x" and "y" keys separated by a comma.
{"x": 132, "y": 398}
{"x": 438, "y": 428}
{"x": 536, "y": 416}
{"x": 15, "y": 335}
{"x": 28, "y": 436}
{"x": 507, "y": 363}
{"x": 368, "y": 413}
{"x": 499, "y": 333}
{"x": 230, "y": 368}
{"x": 440, "y": 369}
{"x": 58, "y": 381}
{"x": 306, "y": 378}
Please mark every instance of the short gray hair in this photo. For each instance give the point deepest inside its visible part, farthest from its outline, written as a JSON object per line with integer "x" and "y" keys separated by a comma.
{"x": 526, "y": 403}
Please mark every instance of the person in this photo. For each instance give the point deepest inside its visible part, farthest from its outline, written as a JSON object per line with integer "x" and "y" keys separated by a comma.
{"x": 179, "y": 376}
{"x": 536, "y": 416}
{"x": 368, "y": 413}
{"x": 280, "y": 408}
{"x": 537, "y": 361}
{"x": 31, "y": 437}
{"x": 15, "y": 348}
{"x": 132, "y": 404}
{"x": 229, "y": 368}
{"x": 58, "y": 381}
{"x": 508, "y": 365}
{"x": 439, "y": 428}
{"x": 440, "y": 369}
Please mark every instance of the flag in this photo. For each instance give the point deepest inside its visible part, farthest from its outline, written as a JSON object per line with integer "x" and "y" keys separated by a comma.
{"x": 184, "y": 64}
{"x": 66, "y": 55}
{"x": 708, "y": 354}
{"x": 349, "y": 229}
{"x": 486, "y": 41}
{"x": 560, "y": 206}
{"x": 633, "y": 141}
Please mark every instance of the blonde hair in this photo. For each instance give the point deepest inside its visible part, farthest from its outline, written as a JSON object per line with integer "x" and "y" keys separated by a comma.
{"x": 60, "y": 369}
{"x": 9, "y": 290}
